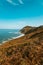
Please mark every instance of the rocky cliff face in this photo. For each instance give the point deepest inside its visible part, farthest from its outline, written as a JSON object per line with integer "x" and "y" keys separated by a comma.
{"x": 26, "y": 29}
{"x": 26, "y": 50}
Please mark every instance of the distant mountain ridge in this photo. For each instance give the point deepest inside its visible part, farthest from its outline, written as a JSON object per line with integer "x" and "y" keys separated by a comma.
{"x": 26, "y": 50}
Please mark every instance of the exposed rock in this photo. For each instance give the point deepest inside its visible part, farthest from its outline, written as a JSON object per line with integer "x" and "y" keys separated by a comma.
{"x": 26, "y": 29}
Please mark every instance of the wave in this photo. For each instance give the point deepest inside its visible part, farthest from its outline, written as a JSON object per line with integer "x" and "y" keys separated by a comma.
{"x": 14, "y": 32}
{"x": 12, "y": 38}
{"x": 18, "y": 36}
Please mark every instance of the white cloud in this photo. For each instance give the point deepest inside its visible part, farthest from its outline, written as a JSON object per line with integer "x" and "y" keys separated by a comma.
{"x": 10, "y": 1}
{"x": 20, "y": 1}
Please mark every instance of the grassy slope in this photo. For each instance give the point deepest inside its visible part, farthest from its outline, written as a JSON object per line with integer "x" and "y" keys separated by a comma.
{"x": 26, "y": 50}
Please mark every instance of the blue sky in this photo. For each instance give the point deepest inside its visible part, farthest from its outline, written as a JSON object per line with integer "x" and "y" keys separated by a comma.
{"x": 19, "y": 13}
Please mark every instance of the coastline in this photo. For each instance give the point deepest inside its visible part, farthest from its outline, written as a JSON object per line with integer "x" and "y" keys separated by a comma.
{"x": 23, "y": 49}
{"x": 12, "y": 39}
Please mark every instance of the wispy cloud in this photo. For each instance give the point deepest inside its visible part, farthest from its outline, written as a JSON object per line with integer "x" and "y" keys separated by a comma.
{"x": 10, "y": 1}
{"x": 20, "y": 1}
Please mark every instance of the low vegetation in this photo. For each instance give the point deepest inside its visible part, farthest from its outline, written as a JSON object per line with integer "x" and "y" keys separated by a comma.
{"x": 27, "y": 50}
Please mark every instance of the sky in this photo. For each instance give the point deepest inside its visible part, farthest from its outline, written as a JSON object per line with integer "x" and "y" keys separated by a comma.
{"x": 15, "y": 14}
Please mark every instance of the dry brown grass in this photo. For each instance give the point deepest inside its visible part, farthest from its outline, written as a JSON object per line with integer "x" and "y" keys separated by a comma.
{"x": 27, "y": 50}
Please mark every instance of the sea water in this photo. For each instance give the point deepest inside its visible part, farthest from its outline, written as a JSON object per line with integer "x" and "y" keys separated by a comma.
{"x": 7, "y": 34}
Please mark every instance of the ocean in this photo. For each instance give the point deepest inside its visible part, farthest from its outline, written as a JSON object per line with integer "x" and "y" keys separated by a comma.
{"x": 7, "y": 34}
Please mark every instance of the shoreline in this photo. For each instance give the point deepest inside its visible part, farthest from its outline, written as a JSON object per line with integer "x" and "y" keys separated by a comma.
{"x": 12, "y": 39}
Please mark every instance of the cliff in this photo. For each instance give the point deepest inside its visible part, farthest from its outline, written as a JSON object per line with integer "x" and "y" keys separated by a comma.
{"x": 26, "y": 50}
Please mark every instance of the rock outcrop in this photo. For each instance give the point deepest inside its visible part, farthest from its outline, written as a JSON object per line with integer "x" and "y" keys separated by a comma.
{"x": 26, "y": 29}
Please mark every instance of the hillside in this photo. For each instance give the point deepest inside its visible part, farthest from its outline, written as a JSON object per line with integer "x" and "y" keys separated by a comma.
{"x": 26, "y": 50}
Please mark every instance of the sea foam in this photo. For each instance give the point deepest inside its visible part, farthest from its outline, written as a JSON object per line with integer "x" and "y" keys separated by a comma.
{"x": 12, "y": 38}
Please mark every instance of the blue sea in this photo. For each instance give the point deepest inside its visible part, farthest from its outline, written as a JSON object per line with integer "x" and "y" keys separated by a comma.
{"x": 6, "y": 34}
